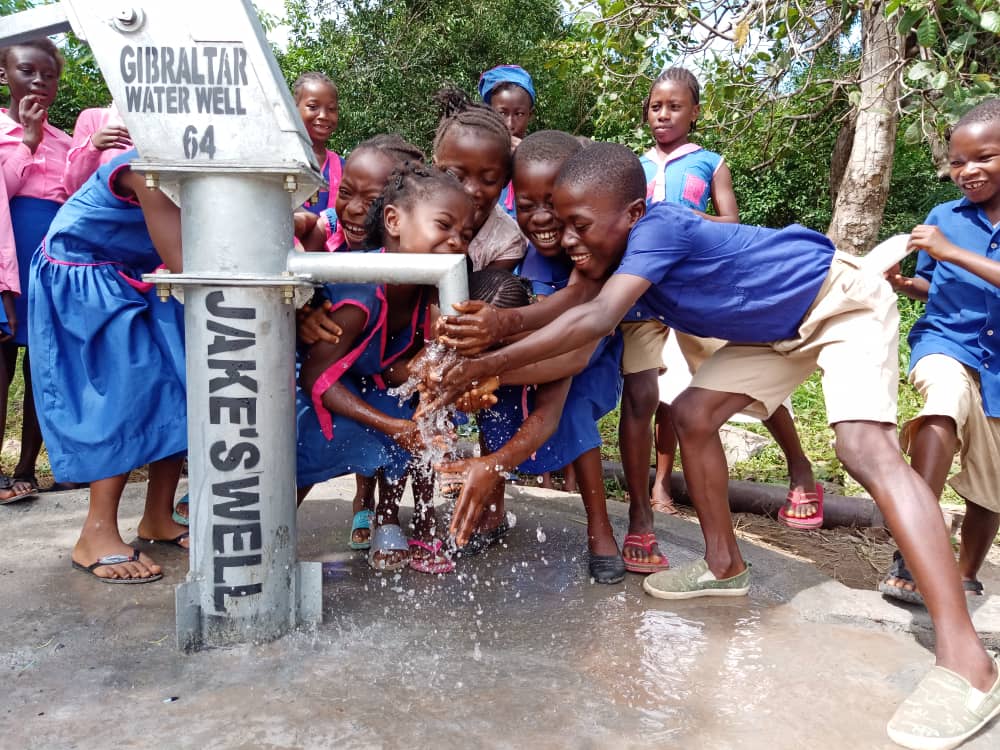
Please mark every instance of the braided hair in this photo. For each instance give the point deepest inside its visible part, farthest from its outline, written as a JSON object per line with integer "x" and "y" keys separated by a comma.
{"x": 407, "y": 183}
{"x": 313, "y": 76}
{"x": 500, "y": 288}
{"x": 459, "y": 111}
{"x": 682, "y": 76}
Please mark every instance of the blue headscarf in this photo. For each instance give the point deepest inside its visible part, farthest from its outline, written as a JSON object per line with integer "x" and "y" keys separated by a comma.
{"x": 505, "y": 74}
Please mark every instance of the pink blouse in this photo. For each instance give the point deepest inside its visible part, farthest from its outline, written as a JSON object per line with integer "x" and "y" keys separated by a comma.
{"x": 9, "y": 281}
{"x": 83, "y": 158}
{"x": 34, "y": 175}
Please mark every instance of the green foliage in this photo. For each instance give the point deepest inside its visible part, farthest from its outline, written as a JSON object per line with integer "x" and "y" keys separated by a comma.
{"x": 389, "y": 57}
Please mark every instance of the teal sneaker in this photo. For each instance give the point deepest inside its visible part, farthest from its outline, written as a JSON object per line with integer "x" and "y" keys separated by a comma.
{"x": 695, "y": 580}
{"x": 943, "y": 711}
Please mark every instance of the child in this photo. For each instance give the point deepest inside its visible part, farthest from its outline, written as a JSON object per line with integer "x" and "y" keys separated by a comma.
{"x": 33, "y": 159}
{"x": 953, "y": 346}
{"x": 347, "y": 422}
{"x": 797, "y": 305}
{"x": 108, "y": 359}
{"x": 510, "y": 92}
{"x": 98, "y": 137}
{"x": 473, "y": 143}
{"x": 684, "y": 173}
{"x": 318, "y": 103}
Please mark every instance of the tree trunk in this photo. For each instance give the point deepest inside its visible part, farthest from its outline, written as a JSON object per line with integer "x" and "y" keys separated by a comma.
{"x": 864, "y": 189}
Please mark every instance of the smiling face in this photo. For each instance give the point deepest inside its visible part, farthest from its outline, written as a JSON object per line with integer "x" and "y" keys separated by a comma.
{"x": 514, "y": 105}
{"x": 479, "y": 162}
{"x": 671, "y": 113}
{"x": 439, "y": 221}
{"x": 365, "y": 173}
{"x": 596, "y": 226}
{"x": 974, "y": 157}
{"x": 534, "y": 182}
{"x": 320, "y": 110}
{"x": 30, "y": 71}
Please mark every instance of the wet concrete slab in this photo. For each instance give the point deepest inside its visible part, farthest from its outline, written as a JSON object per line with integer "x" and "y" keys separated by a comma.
{"x": 517, "y": 649}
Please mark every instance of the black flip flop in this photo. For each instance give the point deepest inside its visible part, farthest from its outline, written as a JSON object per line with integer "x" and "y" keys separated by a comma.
{"x": 607, "y": 568}
{"x": 480, "y": 542}
{"x": 116, "y": 560}
{"x": 899, "y": 570}
{"x": 176, "y": 541}
{"x": 973, "y": 587}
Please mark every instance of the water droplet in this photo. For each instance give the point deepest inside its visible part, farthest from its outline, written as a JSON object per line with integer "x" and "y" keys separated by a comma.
{"x": 540, "y": 535}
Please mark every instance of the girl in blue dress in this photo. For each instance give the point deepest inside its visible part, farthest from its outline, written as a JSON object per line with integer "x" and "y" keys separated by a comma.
{"x": 346, "y": 420}
{"x": 108, "y": 361}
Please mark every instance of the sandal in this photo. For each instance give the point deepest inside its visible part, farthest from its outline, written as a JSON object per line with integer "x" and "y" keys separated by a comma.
{"x": 974, "y": 587}
{"x": 7, "y": 485}
{"x": 436, "y": 561}
{"x": 644, "y": 542}
{"x": 899, "y": 571}
{"x": 481, "y": 541}
{"x": 388, "y": 538}
{"x": 606, "y": 568}
{"x": 815, "y": 521}
{"x": 362, "y": 520}
{"x": 177, "y": 516}
{"x": 116, "y": 560}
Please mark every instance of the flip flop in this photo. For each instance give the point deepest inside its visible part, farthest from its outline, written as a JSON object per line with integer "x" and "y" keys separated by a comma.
{"x": 362, "y": 520}
{"x": 17, "y": 498}
{"x": 178, "y": 518}
{"x": 606, "y": 569}
{"x": 659, "y": 506}
{"x": 644, "y": 542}
{"x": 480, "y": 542}
{"x": 899, "y": 571}
{"x": 974, "y": 587}
{"x": 815, "y": 521}
{"x": 116, "y": 560}
{"x": 176, "y": 541}
{"x": 388, "y": 538}
{"x": 438, "y": 562}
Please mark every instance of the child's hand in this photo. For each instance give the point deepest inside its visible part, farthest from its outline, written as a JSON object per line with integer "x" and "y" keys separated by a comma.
{"x": 32, "y": 115}
{"x": 407, "y": 437}
{"x": 11, "y": 311}
{"x": 932, "y": 240}
{"x": 914, "y": 288}
{"x": 482, "y": 475}
{"x": 111, "y": 136}
{"x": 481, "y": 396}
{"x": 316, "y": 325}
{"x": 305, "y": 222}
{"x": 445, "y": 385}
{"x": 472, "y": 332}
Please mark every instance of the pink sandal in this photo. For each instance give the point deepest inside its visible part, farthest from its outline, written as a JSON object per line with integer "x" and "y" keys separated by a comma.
{"x": 814, "y": 521}
{"x": 644, "y": 542}
{"x": 437, "y": 562}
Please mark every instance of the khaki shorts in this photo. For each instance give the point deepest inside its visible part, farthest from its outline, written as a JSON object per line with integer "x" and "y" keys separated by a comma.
{"x": 697, "y": 350}
{"x": 850, "y": 333}
{"x": 950, "y": 389}
{"x": 643, "y": 344}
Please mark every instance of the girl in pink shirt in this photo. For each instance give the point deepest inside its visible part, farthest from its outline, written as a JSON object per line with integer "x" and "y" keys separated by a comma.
{"x": 98, "y": 137}
{"x": 32, "y": 160}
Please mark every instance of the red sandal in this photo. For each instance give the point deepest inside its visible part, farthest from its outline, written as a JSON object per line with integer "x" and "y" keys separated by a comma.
{"x": 644, "y": 542}
{"x": 814, "y": 521}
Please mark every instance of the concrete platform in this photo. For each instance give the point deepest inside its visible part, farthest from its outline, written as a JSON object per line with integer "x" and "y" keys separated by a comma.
{"x": 518, "y": 649}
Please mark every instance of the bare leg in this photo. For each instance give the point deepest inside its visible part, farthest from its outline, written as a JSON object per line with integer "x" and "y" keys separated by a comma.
{"x": 157, "y": 520}
{"x": 100, "y": 537}
{"x": 666, "y": 449}
{"x": 800, "y": 473}
{"x": 8, "y": 366}
{"x": 870, "y": 453}
{"x": 698, "y": 414}
{"x": 570, "y": 479}
{"x": 364, "y": 499}
{"x": 931, "y": 454}
{"x": 547, "y": 481}
{"x": 600, "y": 535}
{"x": 979, "y": 529}
{"x": 31, "y": 433}
{"x": 640, "y": 397}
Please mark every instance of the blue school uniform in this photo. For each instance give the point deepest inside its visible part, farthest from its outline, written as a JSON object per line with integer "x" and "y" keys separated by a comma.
{"x": 30, "y": 218}
{"x": 330, "y": 445}
{"x": 962, "y": 317}
{"x": 593, "y": 393}
{"x": 686, "y": 178}
{"x": 107, "y": 357}
{"x": 735, "y": 282}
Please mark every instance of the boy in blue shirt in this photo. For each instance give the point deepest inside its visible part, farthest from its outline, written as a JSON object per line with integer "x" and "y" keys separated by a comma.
{"x": 955, "y": 360}
{"x": 797, "y": 306}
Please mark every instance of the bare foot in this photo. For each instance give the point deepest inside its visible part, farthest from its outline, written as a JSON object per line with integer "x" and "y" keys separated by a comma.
{"x": 798, "y": 504}
{"x": 642, "y": 548}
{"x": 661, "y": 501}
